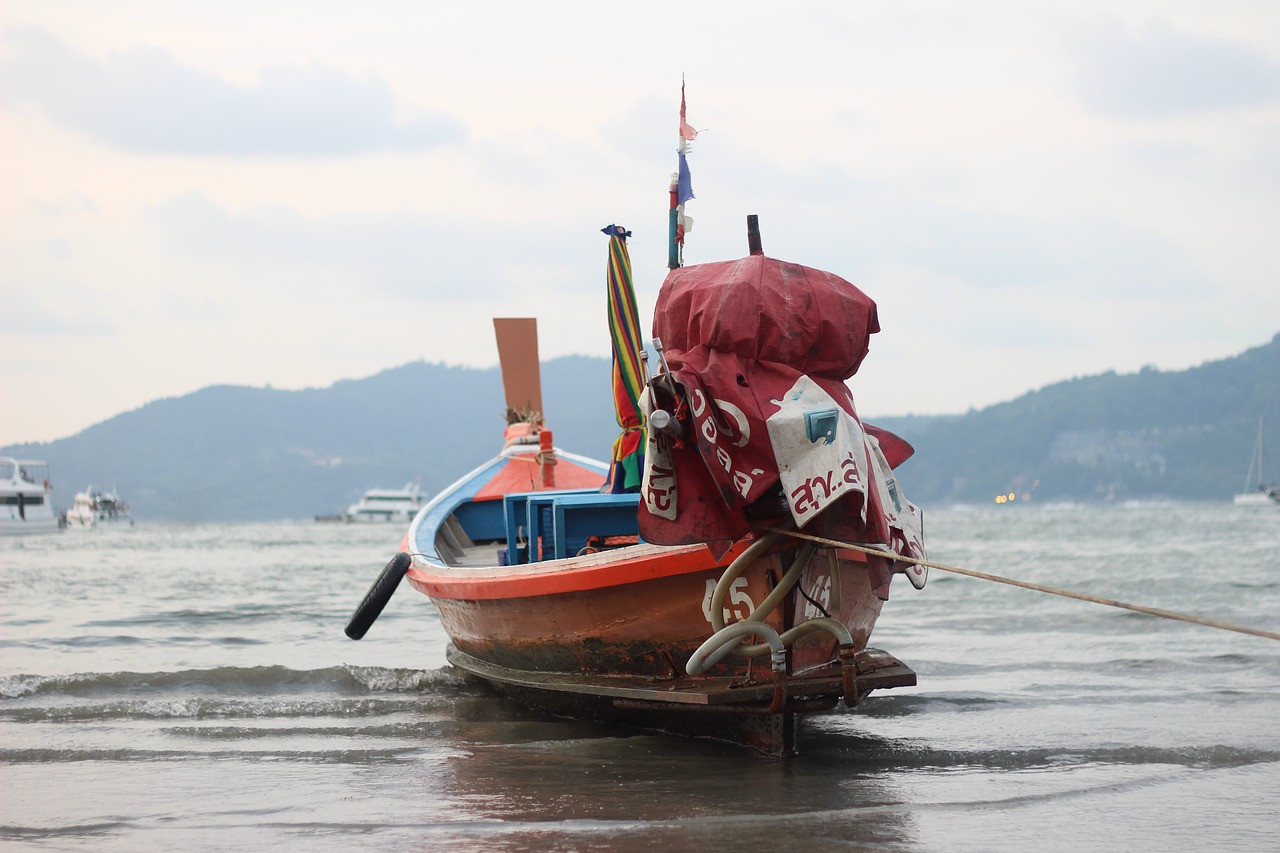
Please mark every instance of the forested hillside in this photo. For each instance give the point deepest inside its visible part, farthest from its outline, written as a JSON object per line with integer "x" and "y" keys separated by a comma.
{"x": 1184, "y": 435}
{"x": 237, "y": 453}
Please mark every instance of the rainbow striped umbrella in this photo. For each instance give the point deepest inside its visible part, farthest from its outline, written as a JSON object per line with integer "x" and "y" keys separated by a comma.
{"x": 628, "y": 374}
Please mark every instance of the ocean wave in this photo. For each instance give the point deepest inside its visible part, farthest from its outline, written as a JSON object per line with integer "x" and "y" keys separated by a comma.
{"x": 329, "y": 756}
{"x": 415, "y": 727}
{"x": 830, "y": 743}
{"x": 76, "y": 831}
{"x": 221, "y": 708}
{"x": 905, "y": 705}
{"x": 230, "y": 681}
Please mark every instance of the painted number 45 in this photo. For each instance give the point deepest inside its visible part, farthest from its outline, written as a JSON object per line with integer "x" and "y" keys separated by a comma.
{"x": 742, "y": 603}
{"x": 823, "y": 599}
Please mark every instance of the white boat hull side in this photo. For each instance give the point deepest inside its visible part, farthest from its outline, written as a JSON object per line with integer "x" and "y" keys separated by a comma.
{"x": 18, "y": 526}
{"x": 380, "y": 506}
{"x": 74, "y": 522}
{"x": 26, "y": 498}
{"x": 93, "y": 507}
{"x": 381, "y": 518}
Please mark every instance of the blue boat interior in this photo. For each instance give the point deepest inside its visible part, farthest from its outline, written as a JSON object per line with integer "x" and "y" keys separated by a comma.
{"x": 552, "y": 525}
{"x": 525, "y": 527}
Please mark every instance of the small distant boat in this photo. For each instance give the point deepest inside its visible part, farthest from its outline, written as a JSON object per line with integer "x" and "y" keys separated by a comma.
{"x": 630, "y": 590}
{"x": 97, "y": 507}
{"x": 383, "y": 505}
{"x": 1261, "y": 494}
{"x": 26, "y": 498}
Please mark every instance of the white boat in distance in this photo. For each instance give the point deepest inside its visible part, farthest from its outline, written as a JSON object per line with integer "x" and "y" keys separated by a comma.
{"x": 383, "y": 505}
{"x": 1263, "y": 494}
{"x": 94, "y": 507}
{"x": 26, "y": 498}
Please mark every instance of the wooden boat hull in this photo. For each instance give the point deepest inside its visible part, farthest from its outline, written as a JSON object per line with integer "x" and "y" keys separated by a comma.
{"x": 608, "y": 636}
{"x": 640, "y": 626}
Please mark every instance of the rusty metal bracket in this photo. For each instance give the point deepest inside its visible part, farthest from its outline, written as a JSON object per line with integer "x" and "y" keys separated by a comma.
{"x": 779, "y": 693}
{"x": 849, "y": 672}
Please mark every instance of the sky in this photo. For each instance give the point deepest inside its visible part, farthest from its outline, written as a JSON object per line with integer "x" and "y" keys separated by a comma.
{"x": 289, "y": 194}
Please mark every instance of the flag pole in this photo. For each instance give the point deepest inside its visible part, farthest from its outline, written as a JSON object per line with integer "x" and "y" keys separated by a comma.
{"x": 673, "y": 215}
{"x": 681, "y": 190}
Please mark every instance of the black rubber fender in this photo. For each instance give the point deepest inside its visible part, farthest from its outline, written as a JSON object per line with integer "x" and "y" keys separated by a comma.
{"x": 378, "y": 595}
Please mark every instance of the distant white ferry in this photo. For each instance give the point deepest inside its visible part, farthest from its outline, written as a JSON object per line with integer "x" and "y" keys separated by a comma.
{"x": 94, "y": 507}
{"x": 380, "y": 505}
{"x": 26, "y": 498}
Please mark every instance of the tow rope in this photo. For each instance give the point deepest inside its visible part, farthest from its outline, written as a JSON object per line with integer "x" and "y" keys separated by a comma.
{"x": 1066, "y": 593}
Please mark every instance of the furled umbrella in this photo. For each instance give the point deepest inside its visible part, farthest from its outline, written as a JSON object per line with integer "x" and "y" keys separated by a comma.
{"x": 628, "y": 372}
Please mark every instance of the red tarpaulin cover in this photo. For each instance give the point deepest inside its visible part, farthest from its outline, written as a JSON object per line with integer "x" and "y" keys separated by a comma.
{"x": 760, "y": 349}
{"x": 763, "y": 309}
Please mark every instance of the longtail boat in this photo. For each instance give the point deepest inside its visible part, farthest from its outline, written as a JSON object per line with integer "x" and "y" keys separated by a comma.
{"x": 664, "y": 589}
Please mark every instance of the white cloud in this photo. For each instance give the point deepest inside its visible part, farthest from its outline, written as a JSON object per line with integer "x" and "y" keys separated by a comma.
{"x": 1029, "y": 191}
{"x": 1160, "y": 72}
{"x": 142, "y": 99}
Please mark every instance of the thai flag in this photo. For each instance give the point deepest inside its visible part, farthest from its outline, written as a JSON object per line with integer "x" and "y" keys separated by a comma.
{"x": 687, "y": 135}
{"x": 684, "y": 192}
{"x": 686, "y": 130}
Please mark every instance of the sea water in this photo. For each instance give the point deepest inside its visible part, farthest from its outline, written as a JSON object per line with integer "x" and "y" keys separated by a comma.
{"x": 171, "y": 687}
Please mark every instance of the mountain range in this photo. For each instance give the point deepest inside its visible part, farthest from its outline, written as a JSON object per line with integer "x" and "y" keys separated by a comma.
{"x": 234, "y": 453}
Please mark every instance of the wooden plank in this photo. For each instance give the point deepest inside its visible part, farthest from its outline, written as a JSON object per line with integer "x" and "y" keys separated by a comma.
{"x": 518, "y": 356}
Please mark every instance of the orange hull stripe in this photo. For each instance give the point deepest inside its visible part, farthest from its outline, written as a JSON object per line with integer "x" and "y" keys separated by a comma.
{"x": 678, "y": 561}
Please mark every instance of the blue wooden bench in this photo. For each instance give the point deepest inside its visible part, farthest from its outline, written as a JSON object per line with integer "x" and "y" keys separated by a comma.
{"x": 515, "y": 511}
{"x": 564, "y": 521}
{"x": 579, "y": 517}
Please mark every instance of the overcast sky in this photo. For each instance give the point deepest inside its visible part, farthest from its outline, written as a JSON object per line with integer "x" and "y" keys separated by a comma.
{"x": 293, "y": 193}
